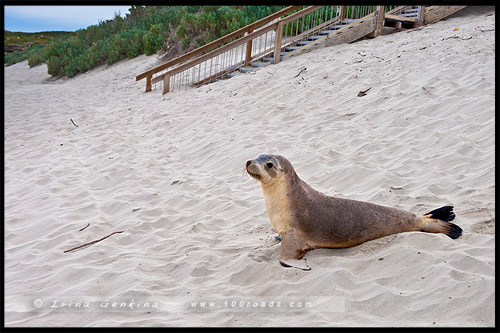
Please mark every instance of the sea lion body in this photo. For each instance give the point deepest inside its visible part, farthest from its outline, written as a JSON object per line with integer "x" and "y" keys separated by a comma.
{"x": 307, "y": 219}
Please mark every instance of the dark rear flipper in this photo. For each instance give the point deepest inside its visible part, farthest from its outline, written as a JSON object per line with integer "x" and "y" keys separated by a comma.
{"x": 441, "y": 224}
{"x": 453, "y": 230}
{"x": 444, "y": 213}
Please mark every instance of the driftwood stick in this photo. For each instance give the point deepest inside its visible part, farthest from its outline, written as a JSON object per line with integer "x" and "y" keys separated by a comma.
{"x": 116, "y": 232}
{"x": 84, "y": 227}
{"x": 303, "y": 69}
{"x": 457, "y": 38}
{"x": 73, "y": 122}
{"x": 363, "y": 92}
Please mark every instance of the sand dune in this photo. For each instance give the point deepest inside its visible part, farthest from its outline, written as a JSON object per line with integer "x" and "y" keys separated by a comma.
{"x": 168, "y": 170}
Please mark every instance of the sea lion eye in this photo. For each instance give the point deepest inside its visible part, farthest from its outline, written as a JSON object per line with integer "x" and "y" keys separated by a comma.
{"x": 269, "y": 165}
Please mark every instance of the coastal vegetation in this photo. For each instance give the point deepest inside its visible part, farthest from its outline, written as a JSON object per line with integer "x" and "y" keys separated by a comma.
{"x": 19, "y": 46}
{"x": 170, "y": 30}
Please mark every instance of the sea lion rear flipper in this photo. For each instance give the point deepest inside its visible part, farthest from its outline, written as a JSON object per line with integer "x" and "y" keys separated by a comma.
{"x": 438, "y": 221}
{"x": 293, "y": 249}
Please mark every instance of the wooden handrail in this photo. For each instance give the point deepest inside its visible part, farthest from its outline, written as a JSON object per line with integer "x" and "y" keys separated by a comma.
{"x": 316, "y": 28}
{"x": 299, "y": 14}
{"x": 206, "y": 47}
{"x": 216, "y": 52}
{"x": 235, "y": 43}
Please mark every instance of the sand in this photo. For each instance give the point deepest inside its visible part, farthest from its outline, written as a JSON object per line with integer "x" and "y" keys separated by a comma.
{"x": 169, "y": 172}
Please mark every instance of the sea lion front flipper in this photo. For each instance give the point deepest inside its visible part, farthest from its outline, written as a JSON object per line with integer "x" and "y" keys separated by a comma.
{"x": 293, "y": 249}
{"x": 296, "y": 263}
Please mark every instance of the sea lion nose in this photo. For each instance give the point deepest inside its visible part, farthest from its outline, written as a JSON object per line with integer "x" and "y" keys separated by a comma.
{"x": 248, "y": 163}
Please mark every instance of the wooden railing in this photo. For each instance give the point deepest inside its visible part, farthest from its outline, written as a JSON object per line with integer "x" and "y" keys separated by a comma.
{"x": 231, "y": 56}
{"x": 270, "y": 37}
{"x": 212, "y": 45}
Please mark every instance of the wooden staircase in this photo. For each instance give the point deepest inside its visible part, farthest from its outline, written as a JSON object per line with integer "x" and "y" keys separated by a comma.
{"x": 286, "y": 33}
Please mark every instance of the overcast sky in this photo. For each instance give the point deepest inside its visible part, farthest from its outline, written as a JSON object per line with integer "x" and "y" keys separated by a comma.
{"x": 57, "y": 18}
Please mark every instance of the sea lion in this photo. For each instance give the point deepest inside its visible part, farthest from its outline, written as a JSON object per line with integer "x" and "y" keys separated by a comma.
{"x": 307, "y": 219}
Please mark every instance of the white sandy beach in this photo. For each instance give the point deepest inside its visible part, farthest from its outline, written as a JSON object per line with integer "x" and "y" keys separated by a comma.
{"x": 169, "y": 172}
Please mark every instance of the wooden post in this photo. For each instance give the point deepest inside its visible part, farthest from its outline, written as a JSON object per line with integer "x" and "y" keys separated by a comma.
{"x": 342, "y": 13}
{"x": 379, "y": 22}
{"x": 277, "y": 46}
{"x": 166, "y": 83}
{"x": 421, "y": 16}
{"x": 248, "y": 58}
{"x": 148, "y": 83}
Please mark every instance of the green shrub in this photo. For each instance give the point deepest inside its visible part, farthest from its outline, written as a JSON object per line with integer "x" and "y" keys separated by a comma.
{"x": 35, "y": 59}
{"x": 14, "y": 57}
{"x": 54, "y": 66}
{"x": 154, "y": 39}
{"x": 98, "y": 52}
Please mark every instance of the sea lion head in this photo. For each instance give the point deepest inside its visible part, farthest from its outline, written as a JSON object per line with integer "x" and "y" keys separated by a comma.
{"x": 269, "y": 168}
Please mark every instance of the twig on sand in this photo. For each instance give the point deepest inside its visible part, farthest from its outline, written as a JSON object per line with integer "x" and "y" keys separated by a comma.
{"x": 303, "y": 69}
{"x": 84, "y": 227}
{"x": 116, "y": 232}
{"x": 363, "y": 92}
{"x": 73, "y": 122}
{"x": 456, "y": 38}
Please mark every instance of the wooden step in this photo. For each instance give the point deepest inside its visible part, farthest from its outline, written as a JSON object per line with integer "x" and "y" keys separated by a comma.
{"x": 292, "y": 48}
{"x": 304, "y": 42}
{"x": 327, "y": 32}
{"x": 245, "y": 69}
{"x": 399, "y": 18}
{"x": 268, "y": 59}
{"x": 409, "y": 15}
{"x": 259, "y": 63}
{"x": 337, "y": 26}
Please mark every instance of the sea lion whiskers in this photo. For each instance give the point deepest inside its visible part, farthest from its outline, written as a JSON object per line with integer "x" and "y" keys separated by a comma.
{"x": 246, "y": 172}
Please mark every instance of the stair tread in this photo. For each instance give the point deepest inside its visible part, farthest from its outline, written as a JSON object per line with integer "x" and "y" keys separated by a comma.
{"x": 259, "y": 63}
{"x": 396, "y": 19}
{"x": 326, "y": 32}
